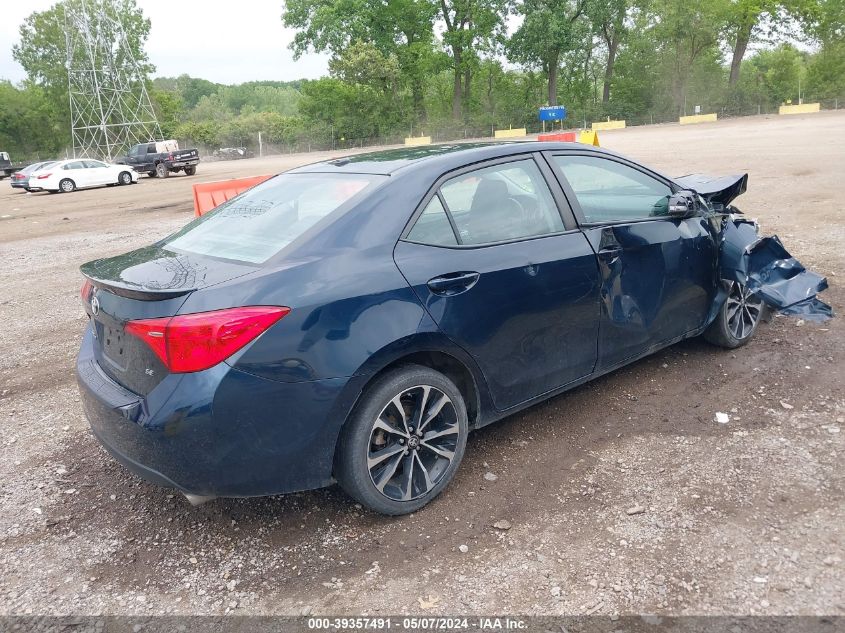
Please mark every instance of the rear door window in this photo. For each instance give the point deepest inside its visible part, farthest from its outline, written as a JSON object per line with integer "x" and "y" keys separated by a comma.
{"x": 260, "y": 222}
{"x": 433, "y": 226}
{"x": 502, "y": 202}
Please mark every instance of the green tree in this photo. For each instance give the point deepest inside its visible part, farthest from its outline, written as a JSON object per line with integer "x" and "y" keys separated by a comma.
{"x": 168, "y": 108}
{"x": 471, "y": 25}
{"x": 550, "y": 29}
{"x": 29, "y": 127}
{"x": 748, "y": 20}
{"x": 781, "y": 70}
{"x": 608, "y": 20}
{"x": 403, "y": 28}
{"x": 42, "y": 50}
{"x": 685, "y": 32}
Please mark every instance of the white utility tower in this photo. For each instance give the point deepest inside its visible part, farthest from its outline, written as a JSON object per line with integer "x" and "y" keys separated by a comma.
{"x": 109, "y": 105}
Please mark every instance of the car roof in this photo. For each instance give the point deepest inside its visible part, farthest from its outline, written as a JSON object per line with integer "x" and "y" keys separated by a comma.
{"x": 444, "y": 156}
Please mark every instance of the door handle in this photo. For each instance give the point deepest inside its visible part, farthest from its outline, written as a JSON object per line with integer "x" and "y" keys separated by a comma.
{"x": 610, "y": 253}
{"x": 453, "y": 283}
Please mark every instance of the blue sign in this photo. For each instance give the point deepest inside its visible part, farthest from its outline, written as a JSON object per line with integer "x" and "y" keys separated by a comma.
{"x": 552, "y": 113}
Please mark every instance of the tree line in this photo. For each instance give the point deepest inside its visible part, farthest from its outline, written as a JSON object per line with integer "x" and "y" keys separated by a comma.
{"x": 464, "y": 67}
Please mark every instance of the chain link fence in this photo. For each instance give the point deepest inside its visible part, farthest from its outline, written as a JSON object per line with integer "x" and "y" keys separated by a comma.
{"x": 321, "y": 139}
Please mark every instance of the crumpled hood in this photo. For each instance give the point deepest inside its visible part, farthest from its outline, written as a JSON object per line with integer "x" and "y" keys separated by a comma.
{"x": 718, "y": 189}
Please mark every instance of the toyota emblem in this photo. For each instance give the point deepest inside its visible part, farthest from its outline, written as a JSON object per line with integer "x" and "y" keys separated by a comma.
{"x": 95, "y": 306}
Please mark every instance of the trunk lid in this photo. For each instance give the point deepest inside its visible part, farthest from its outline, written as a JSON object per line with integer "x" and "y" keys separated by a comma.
{"x": 148, "y": 283}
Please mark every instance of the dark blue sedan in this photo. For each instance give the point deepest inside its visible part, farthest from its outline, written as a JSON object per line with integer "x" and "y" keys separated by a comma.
{"x": 352, "y": 320}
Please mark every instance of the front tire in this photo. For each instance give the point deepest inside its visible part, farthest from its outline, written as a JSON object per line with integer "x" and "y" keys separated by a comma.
{"x": 124, "y": 178}
{"x": 162, "y": 171}
{"x": 738, "y": 318}
{"x": 404, "y": 441}
{"x": 67, "y": 185}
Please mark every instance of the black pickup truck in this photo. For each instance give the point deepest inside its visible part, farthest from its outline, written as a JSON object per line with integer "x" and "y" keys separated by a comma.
{"x": 161, "y": 159}
{"x": 6, "y": 167}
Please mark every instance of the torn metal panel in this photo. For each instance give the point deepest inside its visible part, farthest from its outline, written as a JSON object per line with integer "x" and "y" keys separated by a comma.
{"x": 765, "y": 266}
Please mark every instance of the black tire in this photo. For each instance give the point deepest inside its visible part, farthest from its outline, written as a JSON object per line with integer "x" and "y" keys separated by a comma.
{"x": 151, "y": 174}
{"x": 738, "y": 318}
{"x": 124, "y": 178}
{"x": 162, "y": 171}
{"x": 66, "y": 185}
{"x": 411, "y": 469}
{"x": 190, "y": 170}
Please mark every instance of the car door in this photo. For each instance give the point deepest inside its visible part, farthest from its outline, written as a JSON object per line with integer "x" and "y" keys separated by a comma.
{"x": 659, "y": 274}
{"x": 98, "y": 173}
{"x": 136, "y": 155}
{"x": 505, "y": 276}
{"x": 77, "y": 172}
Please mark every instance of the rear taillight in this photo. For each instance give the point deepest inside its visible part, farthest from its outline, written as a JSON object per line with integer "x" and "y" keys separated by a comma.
{"x": 43, "y": 176}
{"x": 193, "y": 342}
{"x": 85, "y": 293}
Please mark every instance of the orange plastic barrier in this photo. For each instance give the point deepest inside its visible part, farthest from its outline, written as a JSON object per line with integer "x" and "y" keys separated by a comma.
{"x": 567, "y": 137}
{"x": 208, "y": 195}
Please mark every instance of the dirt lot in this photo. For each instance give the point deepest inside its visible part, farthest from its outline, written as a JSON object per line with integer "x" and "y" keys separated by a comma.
{"x": 741, "y": 518}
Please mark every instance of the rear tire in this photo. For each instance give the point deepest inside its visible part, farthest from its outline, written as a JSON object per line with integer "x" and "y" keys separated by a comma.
{"x": 737, "y": 320}
{"x": 124, "y": 178}
{"x": 384, "y": 461}
{"x": 67, "y": 185}
{"x": 162, "y": 171}
{"x": 191, "y": 170}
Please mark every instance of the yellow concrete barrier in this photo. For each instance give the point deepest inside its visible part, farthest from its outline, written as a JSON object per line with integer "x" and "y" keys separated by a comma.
{"x": 608, "y": 125}
{"x": 589, "y": 137}
{"x": 418, "y": 140}
{"x": 697, "y": 118}
{"x": 803, "y": 108}
{"x": 512, "y": 133}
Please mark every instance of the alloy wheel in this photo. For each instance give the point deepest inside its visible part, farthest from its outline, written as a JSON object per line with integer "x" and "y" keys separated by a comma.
{"x": 743, "y": 310}
{"x": 412, "y": 443}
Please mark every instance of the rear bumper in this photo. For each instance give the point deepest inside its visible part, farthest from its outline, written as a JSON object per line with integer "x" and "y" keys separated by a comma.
{"x": 221, "y": 432}
{"x": 179, "y": 164}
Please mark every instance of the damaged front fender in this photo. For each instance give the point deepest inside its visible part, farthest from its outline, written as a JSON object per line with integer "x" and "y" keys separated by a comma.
{"x": 764, "y": 266}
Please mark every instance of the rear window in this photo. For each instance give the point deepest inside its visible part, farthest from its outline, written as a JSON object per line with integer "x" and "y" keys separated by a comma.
{"x": 262, "y": 221}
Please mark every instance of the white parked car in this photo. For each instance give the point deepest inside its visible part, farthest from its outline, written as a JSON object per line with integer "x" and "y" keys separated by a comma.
{"x": 79, "y": 173}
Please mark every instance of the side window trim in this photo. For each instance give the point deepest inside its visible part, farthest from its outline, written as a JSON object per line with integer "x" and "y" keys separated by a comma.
{"x": 559, "y": 195}
{"x": 569, "y": 225}
{"x": 570, "y": 192}
{"x": 449, "y": 216}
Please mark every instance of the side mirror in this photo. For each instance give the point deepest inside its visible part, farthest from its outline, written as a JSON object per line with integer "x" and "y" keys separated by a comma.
{"x": 683, "y": 204}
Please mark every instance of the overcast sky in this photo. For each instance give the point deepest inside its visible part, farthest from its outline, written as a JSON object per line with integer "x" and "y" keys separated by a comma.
{"x": 223, "y": 41}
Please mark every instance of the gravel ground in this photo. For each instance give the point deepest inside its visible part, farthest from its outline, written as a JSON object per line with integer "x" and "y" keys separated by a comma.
{"x": 621, "y": 496}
